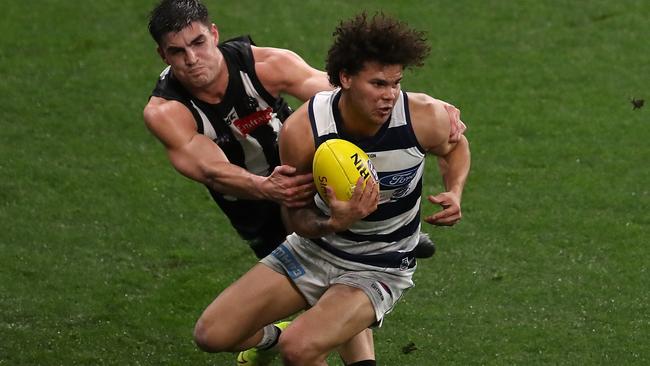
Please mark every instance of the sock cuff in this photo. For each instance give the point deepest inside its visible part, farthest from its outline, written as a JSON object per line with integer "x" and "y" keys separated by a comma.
{"x": 270, "y": 337}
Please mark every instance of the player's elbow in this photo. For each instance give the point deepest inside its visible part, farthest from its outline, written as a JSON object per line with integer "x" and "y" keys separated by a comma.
{"x": 459, "y": 148}
{"x": 150, "y": 114}
{"x": 301, "y": 221}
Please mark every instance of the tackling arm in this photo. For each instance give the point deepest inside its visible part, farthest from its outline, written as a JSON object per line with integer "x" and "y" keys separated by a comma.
{"x": 199, "y": 158}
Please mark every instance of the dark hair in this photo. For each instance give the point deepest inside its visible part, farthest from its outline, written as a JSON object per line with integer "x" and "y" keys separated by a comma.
{"x": 174, "y": 15}
{"x": 379, "y": 39}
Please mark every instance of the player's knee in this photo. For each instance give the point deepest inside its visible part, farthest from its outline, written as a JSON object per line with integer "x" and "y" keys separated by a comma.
{"x": 296, "y": 349}
{"x": 210, "y": 338}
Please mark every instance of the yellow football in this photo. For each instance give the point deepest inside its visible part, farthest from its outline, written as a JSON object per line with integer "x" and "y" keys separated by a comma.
{"x": 339, "y": 164}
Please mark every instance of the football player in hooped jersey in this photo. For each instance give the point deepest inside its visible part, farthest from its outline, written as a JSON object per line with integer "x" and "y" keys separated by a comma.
{"x": 348, "y": 262}
{"x": 357, "y": 257}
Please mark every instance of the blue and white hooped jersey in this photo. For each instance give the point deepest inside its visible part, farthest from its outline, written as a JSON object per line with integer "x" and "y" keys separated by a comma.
{"x": 387, "y": 236}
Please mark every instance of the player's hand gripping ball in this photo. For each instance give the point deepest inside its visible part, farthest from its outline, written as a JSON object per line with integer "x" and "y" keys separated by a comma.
{"x": 339, "y": 164}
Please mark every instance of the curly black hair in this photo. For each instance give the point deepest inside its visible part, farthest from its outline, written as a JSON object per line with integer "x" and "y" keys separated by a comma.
{"x": 379, "y": 39}
{"x": 174, "y": 15}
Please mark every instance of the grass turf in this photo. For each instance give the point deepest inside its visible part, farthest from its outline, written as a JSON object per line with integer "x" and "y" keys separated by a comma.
{"x": 109, "y": 256}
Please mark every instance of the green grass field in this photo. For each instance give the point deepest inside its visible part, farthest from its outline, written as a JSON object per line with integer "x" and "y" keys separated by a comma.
{"x": 108, "y": 256}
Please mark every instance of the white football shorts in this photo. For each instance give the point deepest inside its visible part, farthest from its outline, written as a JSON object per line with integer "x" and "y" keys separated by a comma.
{"x": 313, "y": 270}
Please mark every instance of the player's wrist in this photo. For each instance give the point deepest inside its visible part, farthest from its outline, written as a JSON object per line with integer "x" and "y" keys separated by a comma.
{"x": 458, "y": 191}
{"x": 336, "y": 225}
{"x": 260, "y": 188}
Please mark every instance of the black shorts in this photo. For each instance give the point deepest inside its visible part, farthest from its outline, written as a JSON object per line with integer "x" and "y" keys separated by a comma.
{"x": 270, "y": 239}
{"x": 258, "y": 222}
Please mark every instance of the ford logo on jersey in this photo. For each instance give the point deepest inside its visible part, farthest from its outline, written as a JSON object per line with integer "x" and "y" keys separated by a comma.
{"x": 399, "y": 178}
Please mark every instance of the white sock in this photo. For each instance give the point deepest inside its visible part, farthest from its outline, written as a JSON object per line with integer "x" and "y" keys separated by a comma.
{"x": 269, "y": 337}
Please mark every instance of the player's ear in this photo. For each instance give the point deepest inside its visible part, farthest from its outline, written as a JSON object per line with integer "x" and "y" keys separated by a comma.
{"x": 161, "y": 53}
{"x": 215, "y": 33}
{"x": 345, "y": 79}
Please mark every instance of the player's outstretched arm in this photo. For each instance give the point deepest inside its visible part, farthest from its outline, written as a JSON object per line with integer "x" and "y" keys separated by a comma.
{"x": 437, "y": 125}
{"x": 454, "y": 167}
{"x": 199, "y": 158}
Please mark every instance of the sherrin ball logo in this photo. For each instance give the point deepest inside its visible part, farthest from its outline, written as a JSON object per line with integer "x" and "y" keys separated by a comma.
{"x": 339, "y": 163}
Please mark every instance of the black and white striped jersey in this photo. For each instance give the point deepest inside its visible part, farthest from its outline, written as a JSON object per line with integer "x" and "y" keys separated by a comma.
{"x": 245, "y": 125}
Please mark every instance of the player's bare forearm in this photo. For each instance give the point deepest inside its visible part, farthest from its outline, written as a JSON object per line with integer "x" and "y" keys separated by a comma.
{"x": 455, "y": 166}
{"x": 230, "y": 179}
{"x": 202, "y": 160}
{"x": 308, "y": 222}
{"x": 282, "y": 186}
